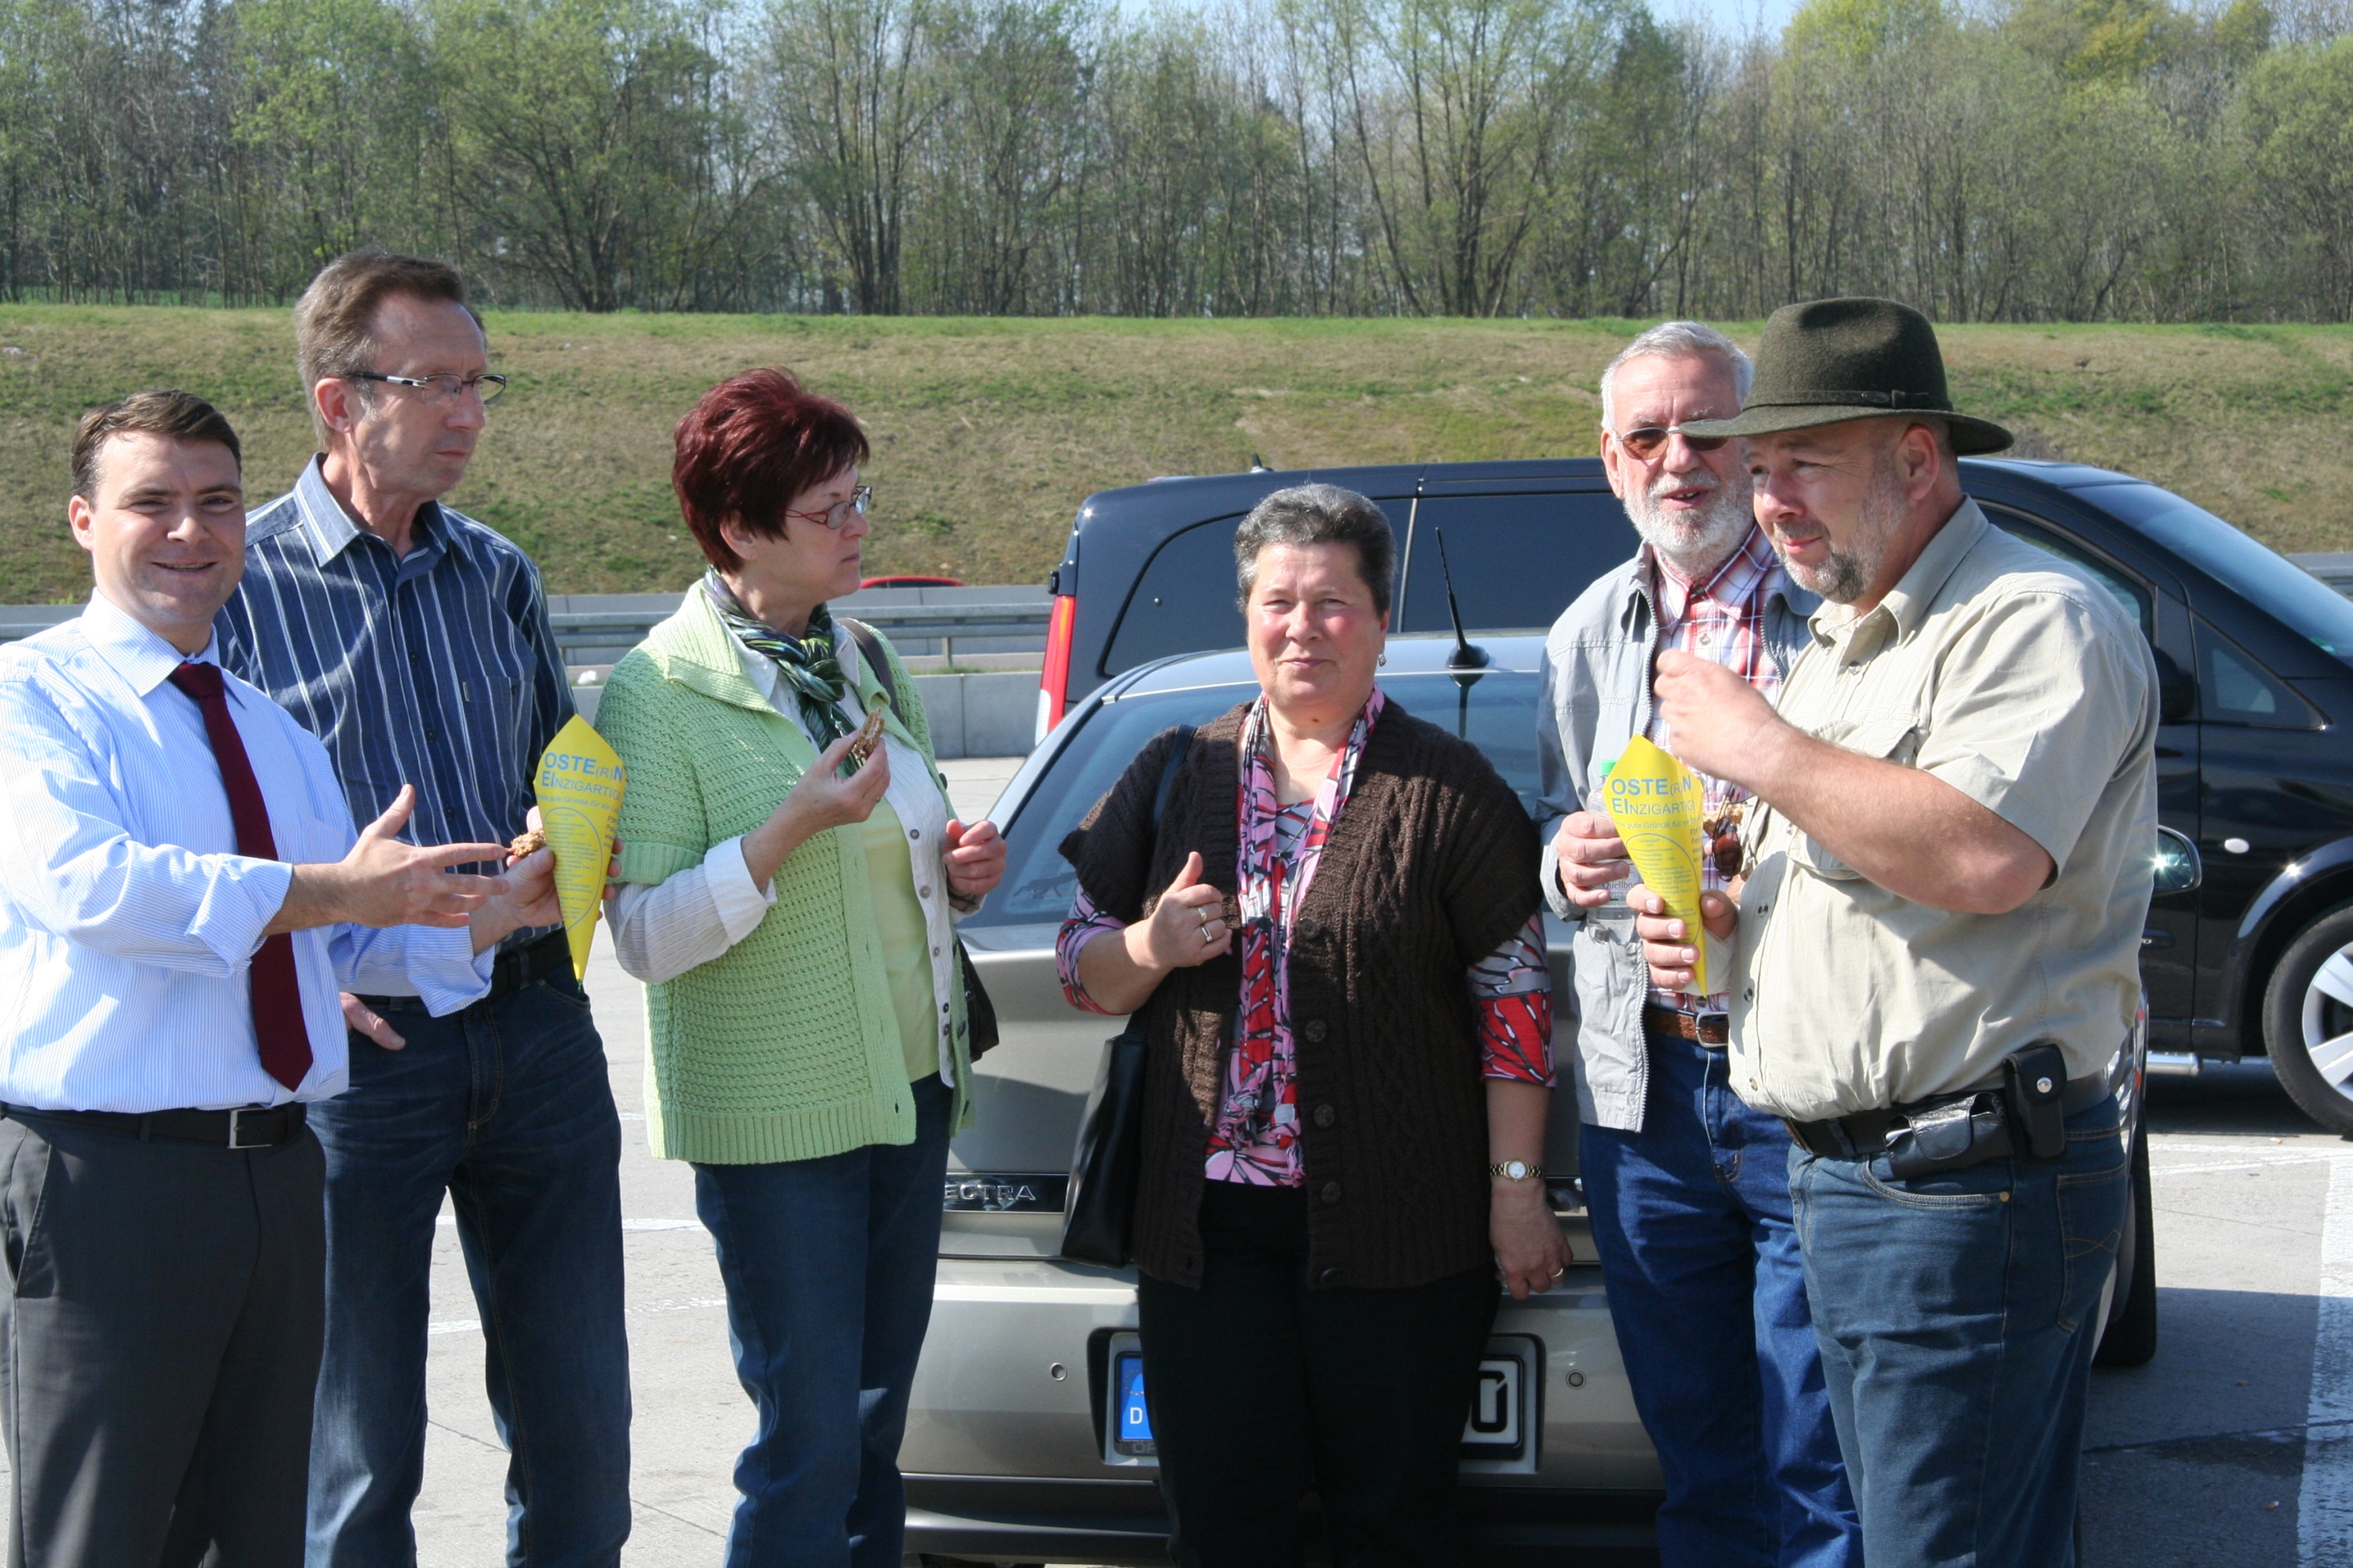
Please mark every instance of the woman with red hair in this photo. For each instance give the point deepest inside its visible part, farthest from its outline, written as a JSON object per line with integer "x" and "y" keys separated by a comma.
{"x": 787, "y": 891}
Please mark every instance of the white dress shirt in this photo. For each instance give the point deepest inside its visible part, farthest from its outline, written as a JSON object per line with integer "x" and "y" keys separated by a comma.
{"x": 127, "y": 918}
{"x": 662, "y": 930}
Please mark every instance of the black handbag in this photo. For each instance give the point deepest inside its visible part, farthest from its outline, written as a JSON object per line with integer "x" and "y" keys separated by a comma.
{"x": 1099, "y": 1205}
{"x": 979, "y": 1012}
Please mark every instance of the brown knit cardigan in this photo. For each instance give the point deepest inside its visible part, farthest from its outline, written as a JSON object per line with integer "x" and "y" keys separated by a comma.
{"x": 1430, "y": 866}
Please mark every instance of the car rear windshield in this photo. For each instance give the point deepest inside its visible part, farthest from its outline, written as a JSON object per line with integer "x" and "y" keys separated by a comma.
{"x": 1497, "y": 714}
{"x": 2302, "y": 602}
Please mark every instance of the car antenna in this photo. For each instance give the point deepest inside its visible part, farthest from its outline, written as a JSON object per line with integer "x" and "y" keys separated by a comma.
{"x": 1468, "y": 660}
{"x": 1258, "y": 465}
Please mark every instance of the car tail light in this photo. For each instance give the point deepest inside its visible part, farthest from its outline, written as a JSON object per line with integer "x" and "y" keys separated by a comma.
{"x": 1054, "y": 679}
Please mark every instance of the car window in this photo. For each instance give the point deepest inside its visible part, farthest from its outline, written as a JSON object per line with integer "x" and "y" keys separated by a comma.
{"x": 1497, "y": 714}
{"x": 1517, "y": 560}
{"x": 2130, "y": 594}
{"x": 2304, "y": 603}
{"x": 2234, "y": 688}
{"x": 1183, "y": 601}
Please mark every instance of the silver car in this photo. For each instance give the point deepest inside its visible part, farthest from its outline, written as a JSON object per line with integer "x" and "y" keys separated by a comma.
{"x": 1028, "y": 1439}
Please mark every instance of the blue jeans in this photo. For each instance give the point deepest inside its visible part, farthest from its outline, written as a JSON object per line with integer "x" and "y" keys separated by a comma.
{"x": 506, "y": 1105}
{"x": 829, "y": 1264}
{"x": 1957, "y": 1315}
{"x": 1690, "y": 1217}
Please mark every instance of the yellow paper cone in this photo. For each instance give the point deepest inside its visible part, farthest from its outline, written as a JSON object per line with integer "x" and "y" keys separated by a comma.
{"x": 1655, "y": 803}
{"x": 580, "y": 781}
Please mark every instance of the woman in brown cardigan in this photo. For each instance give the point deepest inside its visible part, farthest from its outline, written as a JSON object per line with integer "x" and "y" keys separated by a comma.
{"x": 1334, "y": 943}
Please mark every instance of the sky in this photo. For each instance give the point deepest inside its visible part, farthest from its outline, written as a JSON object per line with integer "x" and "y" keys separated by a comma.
{"x": 1730, "y": 18}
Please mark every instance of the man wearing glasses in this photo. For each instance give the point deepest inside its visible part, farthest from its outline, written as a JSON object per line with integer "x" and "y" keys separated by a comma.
{"x": 415, "y": 643}
{"x": 1687, "y": 1187}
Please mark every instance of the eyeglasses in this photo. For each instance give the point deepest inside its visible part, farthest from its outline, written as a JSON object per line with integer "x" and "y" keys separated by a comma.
{"x": 1647, "y": 442}
{"x": 837, "y": 515}
{"x": 443, "y": 388}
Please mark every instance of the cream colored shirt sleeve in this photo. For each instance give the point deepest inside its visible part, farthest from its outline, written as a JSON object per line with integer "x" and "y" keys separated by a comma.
{"x": 2035, "y": 702}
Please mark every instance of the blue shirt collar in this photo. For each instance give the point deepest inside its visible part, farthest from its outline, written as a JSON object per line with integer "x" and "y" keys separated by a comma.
{"x": 332, "y": 530}
{"x": 139, "y": 656}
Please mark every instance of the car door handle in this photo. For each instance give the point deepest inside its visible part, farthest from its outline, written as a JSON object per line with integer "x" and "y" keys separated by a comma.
{"x": 2152, "y": 937}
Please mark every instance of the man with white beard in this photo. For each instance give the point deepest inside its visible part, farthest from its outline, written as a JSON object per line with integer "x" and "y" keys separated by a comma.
{"x": 1688, "y": 1187}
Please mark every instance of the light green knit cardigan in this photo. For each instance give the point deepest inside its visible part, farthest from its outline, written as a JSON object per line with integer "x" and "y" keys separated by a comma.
{"x": 786, "y": 1046}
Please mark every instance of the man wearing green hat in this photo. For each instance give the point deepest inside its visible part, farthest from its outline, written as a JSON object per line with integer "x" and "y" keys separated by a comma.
{"x": 1934, "y": 947}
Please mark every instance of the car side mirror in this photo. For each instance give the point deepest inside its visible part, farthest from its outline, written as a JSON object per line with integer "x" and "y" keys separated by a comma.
{"x": 2177, "y": 867}
{"x": 2176, "y": 694}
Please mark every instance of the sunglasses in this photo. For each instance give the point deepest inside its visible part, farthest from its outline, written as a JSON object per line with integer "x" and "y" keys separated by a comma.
{"x": 1651, "y": 439}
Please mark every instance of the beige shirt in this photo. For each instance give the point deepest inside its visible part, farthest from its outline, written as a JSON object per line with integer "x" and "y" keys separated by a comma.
{"x": 2020, "y": 683}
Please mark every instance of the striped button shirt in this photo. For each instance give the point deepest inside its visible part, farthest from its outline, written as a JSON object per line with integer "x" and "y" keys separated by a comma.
{"x": 128, "y": 920}
{"x": 437, "y": 668}
{"x": 1720, "y": 617}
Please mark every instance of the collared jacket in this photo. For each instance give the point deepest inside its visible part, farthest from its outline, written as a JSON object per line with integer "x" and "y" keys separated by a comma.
{"x": 1596, "y": 697}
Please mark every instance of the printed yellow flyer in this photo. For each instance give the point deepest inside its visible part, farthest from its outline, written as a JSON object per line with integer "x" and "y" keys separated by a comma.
{"x": 1655, "y": 803}
{"x": 580, "y": 783}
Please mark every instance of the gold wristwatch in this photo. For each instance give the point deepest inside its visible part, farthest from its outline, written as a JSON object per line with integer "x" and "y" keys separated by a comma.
{"x": 1517, "y": 1169}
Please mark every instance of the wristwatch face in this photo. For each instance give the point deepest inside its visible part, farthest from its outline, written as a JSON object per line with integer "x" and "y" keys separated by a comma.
{"x": 1516, "y": 1169}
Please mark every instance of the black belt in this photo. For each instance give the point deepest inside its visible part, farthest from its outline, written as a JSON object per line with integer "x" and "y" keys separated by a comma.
{"x": 247, "y": 1126}
{"x": 1866, "y": 1133}
{"x": 514, "y": 970}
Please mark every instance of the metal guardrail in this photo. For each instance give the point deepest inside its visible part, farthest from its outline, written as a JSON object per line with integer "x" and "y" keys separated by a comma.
{"x": 627, "y": 629}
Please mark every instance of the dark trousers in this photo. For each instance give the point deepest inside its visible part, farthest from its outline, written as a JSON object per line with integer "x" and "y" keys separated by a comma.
{"x": 829, "y": 1264}
{"x": 161, "y": 1341}
{"x": 1707, "y": 1292}
{"x": 1261, "y": 1389}
{"x": 1957, "y": 1315}
{"x": 507, "y": 1107}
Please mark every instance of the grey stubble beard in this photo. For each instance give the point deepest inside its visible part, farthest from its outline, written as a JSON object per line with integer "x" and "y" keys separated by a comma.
{"x": 1844, "y": 575}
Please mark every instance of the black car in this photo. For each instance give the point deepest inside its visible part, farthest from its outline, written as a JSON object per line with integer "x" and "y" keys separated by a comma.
{"x": 2255, "y": 657}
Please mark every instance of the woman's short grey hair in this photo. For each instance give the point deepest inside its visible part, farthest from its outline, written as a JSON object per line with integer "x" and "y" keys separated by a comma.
{"x": 1318, "y": 514}
{"x": 1679, "y": 340}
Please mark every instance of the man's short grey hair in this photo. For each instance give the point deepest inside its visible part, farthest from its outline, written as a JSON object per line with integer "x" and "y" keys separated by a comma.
{"x": 1318, "y": 514}
{"x": 1679, "y": 340}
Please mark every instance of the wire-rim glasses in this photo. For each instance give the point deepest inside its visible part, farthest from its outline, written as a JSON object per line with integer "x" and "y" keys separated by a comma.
{"x": 442, "y": 388}
{"x": 839, "y": 514}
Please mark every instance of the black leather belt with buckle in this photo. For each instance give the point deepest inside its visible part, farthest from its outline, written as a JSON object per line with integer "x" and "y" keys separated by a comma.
{"x": 2008, "y": 1113}
{"x": 1705, "y": 1029}
{"x": 247, "y": 1126}
{"x": 518, "y": 967}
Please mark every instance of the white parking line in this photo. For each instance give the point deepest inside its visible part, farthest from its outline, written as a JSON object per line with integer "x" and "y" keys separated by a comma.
{"x": 2325, "y": 1503}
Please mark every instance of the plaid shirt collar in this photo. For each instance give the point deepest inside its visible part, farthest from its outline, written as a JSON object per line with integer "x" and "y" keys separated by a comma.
{"x": 1742, "y": 584}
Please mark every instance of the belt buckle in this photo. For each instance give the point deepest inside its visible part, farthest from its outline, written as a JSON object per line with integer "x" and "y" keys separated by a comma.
{"x": 236, "y": 1125}
{"x": 1722, "y": 1022}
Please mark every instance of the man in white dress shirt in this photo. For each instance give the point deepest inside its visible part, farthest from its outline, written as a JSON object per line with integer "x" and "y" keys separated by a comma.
{"x": 181, "y": 896}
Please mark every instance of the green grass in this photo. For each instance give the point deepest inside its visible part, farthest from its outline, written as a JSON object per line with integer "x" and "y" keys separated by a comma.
{"x": 988, "y": 433}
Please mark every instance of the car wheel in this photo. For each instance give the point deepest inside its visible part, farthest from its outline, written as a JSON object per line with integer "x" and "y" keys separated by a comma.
{"x": 2309, "y": 1020}
{"x": 2131, "y": 1339}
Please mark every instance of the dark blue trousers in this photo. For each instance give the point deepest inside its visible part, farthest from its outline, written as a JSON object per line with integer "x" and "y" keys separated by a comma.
{"x": 829, "y": 1264}
{"x": 506, "y": 1107}
{"x": 1692, "y": 1218}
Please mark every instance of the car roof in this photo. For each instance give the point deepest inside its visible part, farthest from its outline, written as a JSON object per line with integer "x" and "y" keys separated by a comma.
{"x": 1417, "y": 653}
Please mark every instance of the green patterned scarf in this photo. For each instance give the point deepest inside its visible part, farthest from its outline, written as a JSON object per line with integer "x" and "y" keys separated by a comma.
{"x": 807, "y": 662}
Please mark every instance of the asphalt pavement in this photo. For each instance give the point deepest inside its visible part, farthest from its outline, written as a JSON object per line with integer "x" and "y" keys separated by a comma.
{"x": 2233, "y": 1448}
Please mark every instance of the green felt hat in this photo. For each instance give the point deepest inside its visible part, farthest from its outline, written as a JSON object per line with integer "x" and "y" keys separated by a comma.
{"x": 1829, "y": 361}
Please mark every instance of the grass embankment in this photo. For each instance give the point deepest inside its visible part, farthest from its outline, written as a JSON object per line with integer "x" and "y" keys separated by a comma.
{"x": 988, "y": 433}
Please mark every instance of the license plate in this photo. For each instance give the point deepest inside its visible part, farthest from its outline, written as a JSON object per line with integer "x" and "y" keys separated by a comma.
{"x": 1131, "y": 1416}
{"x": 1493, "y": 1426}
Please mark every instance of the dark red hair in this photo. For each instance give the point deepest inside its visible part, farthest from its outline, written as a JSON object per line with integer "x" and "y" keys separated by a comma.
{"x": 754, "y": 442}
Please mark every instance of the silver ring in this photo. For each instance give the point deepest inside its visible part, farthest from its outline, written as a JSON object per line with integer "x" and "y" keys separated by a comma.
{"x": 1206, "y": 937}
{"x": 1559, "y": 1272}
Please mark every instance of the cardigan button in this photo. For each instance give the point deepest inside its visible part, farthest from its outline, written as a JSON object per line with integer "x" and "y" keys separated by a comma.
{"x": 1331, "y": 1192}
{"x": 1311, "y": 928}
{"x": 1314, "y": 1031}
{"x": 1326, "y": 1116}
{"x": 1328, "y": 1275}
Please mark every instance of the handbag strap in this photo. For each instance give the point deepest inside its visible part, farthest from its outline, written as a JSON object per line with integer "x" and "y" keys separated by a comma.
{"x": 871, "y": 646}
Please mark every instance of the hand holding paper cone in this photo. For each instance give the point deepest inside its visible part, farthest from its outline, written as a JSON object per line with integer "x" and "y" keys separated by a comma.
{"x": 1656, "y": 802}
{"x": 580, "y": 784}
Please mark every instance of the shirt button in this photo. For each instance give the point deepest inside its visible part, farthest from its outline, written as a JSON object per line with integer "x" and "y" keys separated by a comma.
{"x": 923, "y": 892}
{"x": 1331, "y": 1194}
{"x": 935, "y": 953}
{"x": 914, "y": 833}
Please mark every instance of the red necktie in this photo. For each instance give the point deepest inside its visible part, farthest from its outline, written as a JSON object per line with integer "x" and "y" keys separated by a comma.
{"x": 277, "y": 1026}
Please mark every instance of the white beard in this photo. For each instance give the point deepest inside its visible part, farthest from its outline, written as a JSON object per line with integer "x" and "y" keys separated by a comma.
{"x": 1694, "y": 542}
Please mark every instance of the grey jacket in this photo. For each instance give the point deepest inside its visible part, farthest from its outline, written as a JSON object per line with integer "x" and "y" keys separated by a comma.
{"x": 1597, "y": 697}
